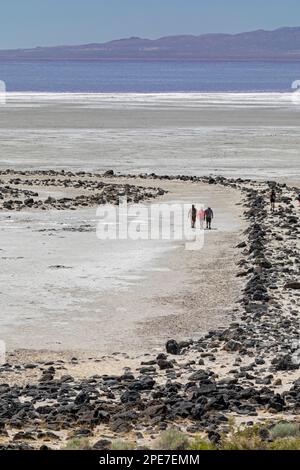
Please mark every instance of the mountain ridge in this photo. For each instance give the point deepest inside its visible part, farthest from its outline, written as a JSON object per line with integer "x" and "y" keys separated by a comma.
{"x": 280, "y": 44}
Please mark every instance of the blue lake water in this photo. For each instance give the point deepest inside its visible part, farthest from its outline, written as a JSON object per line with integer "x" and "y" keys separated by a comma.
{"x": 148, "y": 77}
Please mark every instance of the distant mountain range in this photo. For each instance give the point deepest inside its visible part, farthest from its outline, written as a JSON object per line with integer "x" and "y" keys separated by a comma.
{"x": 281, "y": 44}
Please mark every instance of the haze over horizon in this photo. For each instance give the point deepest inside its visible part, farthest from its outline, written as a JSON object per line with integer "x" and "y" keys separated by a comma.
{"x": 72, "y": 22}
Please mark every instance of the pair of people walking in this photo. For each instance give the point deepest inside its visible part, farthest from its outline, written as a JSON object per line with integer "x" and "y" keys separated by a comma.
{"x": 203, "y": 215}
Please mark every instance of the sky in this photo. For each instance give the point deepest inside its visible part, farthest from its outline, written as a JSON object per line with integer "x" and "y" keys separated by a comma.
{"x": 31, "y": 23}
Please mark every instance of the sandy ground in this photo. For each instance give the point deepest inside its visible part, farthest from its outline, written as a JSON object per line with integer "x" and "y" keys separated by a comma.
{"x": 161, "y": 291}
{"x": 254, "y": 135}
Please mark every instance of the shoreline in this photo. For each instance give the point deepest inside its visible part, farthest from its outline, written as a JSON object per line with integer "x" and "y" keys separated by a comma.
{"x": 244, "y": 371}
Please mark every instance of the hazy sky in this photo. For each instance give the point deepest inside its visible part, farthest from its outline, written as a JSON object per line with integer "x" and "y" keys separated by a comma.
{"x": 30, "y": 23}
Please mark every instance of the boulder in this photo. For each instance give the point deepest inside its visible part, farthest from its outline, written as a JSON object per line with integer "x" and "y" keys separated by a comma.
{"x": 292, "y": 285}
{"x": 109, "y": 173}
{"x": 172, "y": 347}
{"x": 130, "y": 396}
{"x": 233, "y": 346}
{"x": 102, "y": 444}
{"x": 285, "y": 363}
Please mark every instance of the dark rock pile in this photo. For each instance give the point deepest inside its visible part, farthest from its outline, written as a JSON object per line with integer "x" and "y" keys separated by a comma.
{"x": 87, "y": 190}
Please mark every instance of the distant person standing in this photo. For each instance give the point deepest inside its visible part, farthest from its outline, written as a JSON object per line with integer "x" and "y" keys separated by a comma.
{"x": 209, "y": 215}
{"x": 201, "y": 217}
{"x": 273, "y": 199}
{"x": 193, "y": 216}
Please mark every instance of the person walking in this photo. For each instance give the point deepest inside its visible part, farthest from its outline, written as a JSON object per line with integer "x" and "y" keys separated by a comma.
{"x": 193, "y": 216}
{"x": 273, "y": 199}
{"x": 209, "y": 215}
{"x": 201, "y": 217}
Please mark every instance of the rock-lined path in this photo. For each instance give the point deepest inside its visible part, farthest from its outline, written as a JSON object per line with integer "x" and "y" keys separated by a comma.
{"x": 248, "y": 371}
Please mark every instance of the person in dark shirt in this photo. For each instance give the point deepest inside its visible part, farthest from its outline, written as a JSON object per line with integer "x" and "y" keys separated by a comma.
{"x": 209, "y": 215}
